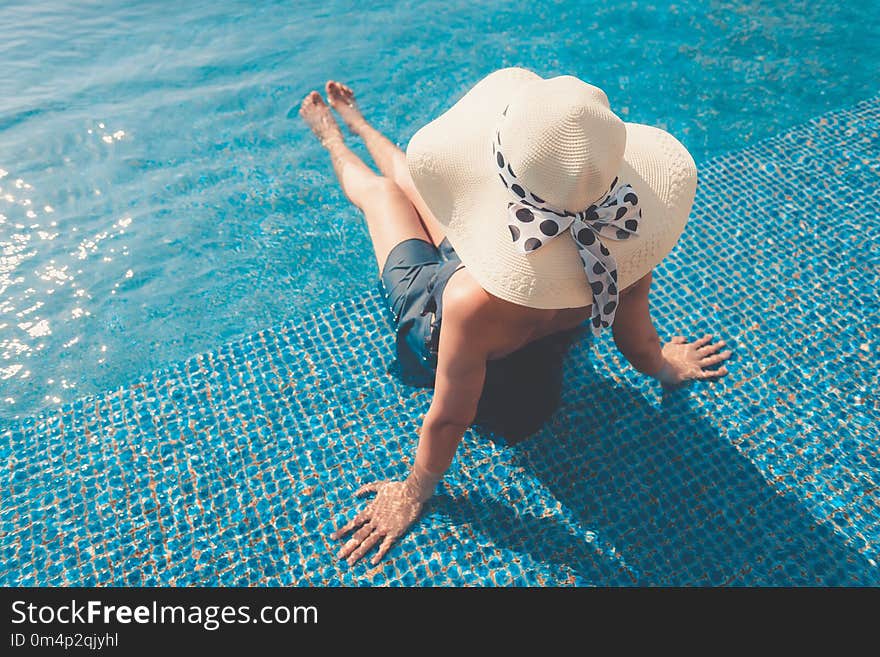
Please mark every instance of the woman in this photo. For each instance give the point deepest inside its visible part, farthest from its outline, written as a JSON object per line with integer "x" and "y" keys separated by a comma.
{"x": 525, "y": 210}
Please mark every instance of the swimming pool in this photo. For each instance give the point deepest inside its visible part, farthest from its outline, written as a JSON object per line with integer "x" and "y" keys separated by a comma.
{"x": 234, "y": 465}
{"x": 158, "y": 199}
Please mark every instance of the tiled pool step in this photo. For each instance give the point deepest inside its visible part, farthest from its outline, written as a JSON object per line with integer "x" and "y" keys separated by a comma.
{"x": 233, "y": 466}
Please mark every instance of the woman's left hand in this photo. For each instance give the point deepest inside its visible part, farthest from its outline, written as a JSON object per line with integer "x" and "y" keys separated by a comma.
{"x": 686, "y": 361}
{"x": 386, "y": 518}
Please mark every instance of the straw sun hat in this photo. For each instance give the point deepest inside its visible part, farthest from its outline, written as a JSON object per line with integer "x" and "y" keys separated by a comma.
{"x": 520, "y": 166}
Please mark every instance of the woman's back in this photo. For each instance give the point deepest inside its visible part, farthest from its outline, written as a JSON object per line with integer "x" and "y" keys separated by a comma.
{"x": 515, "y": 326}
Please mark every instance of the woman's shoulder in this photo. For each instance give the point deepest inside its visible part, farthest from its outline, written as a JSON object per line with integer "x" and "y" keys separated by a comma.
{"x": 473, "y": 309}
{"x": 464, "y": 298}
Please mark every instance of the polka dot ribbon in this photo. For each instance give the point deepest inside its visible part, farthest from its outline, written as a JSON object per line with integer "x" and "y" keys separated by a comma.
{"x": 533, "y": 222}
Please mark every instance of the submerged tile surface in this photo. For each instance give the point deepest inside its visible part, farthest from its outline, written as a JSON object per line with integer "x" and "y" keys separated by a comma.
{"x": 233, "y": 467}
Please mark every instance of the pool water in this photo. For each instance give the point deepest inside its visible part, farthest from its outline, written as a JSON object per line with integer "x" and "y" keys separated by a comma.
{"x": 233, "y": 466}
{"x": 159, "y": 195}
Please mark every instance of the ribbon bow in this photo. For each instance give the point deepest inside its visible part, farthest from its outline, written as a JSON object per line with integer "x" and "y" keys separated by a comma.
{"x": 533, "y": 222}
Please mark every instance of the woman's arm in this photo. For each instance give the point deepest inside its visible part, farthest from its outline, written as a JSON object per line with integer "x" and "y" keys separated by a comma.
{"x": 634, "y": 332}
{"x": 672, "y": 364}
{"x": 461, "y": 371}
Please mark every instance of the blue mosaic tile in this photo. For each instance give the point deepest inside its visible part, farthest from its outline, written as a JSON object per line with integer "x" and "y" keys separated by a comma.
{"x": 232, "y": 467}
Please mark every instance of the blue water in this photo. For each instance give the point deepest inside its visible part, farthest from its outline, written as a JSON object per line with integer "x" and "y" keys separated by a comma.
{"x": 158, "y": 195}
{"x": 233, "y": 466}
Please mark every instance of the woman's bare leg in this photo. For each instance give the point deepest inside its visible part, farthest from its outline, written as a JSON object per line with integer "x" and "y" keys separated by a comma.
{"x": 391, "y": 217}
{"x": 390, "y": 159}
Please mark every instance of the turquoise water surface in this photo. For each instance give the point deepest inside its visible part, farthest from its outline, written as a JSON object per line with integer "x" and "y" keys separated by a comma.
{"x": 159, "y": 196}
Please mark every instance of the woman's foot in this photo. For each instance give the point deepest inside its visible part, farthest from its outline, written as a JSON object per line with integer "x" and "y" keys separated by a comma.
{"x": 317, "y": 115}
{"x": 341, "y": 98}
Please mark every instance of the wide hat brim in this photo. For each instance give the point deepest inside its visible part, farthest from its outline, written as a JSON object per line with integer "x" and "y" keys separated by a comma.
{"x": 450, "y": 162}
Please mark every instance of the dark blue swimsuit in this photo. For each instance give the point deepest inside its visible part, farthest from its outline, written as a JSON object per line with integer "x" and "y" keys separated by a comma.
{"x": 413, "y": 281}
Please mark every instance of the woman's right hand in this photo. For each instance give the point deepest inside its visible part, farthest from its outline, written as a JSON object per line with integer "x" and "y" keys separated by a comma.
{"x": 386, "y": 518}
{"x": 685, "y": 361}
